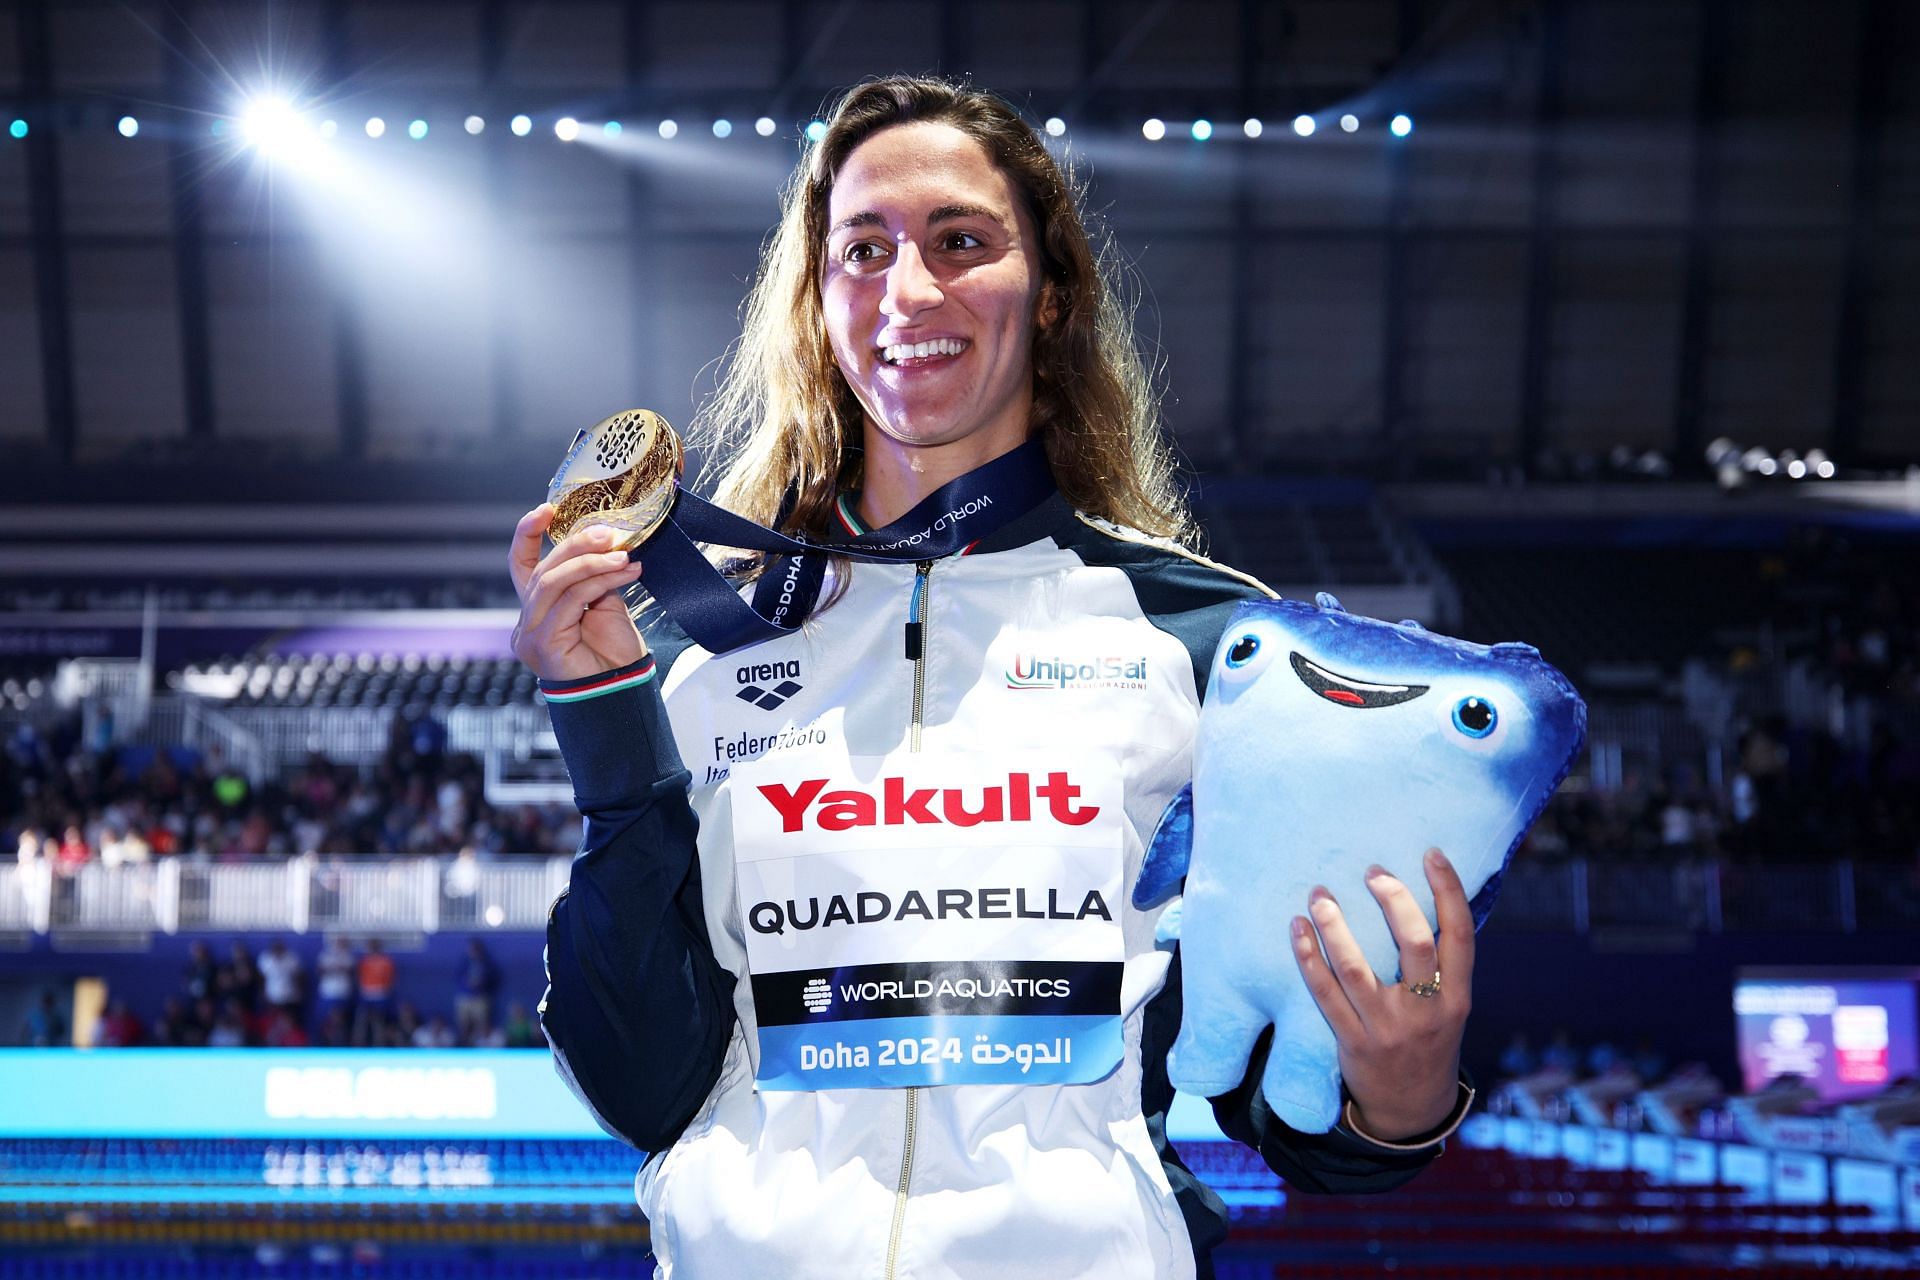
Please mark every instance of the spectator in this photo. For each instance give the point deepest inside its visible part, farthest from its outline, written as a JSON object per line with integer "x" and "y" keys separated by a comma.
{"x": 284, "y": 1031}
{"x": 46, "y": 1027}
{"x": 174, "y": 1027}
{"x": 239, "y": 978}
{"x": 404, "y": 1030}
{"x": 337, "y": 976}
{"x": 519, "y": 1029}
{"x": 118, "y": 1028}
{"x": 479, "y": 983}
{"x": 201, "y": 973}
{"x": 229, "y": 1030}
{"x": 336, "y": 1027}
{"x": 74, "y": 852}
{"x": 123, "y": 845}
{"x": 280, "y": 979}
{"x": 205, "y": 1015}
{"x": 230, "y": 789}
{"x": 434, "y": 1034}
{"x": 374, "y": 978}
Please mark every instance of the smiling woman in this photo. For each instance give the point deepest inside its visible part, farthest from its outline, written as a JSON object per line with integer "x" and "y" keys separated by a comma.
{"x": 928, "y": 212}
{"x": 764, "y": 969}
{"x": 932, "y": 292}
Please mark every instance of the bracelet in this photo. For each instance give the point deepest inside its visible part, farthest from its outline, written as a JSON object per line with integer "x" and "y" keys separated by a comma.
{"x": 1454, "y": 1119}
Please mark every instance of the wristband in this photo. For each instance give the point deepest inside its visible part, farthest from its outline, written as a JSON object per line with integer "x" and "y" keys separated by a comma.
{"x": 1439, "y": 1133}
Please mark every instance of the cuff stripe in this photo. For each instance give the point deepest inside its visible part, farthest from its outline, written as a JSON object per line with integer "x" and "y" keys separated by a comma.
{"x": 600, "y": 686}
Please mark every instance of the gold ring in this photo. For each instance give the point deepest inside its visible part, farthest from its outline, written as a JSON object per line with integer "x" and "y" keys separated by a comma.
{"x": 1426, "y": 990}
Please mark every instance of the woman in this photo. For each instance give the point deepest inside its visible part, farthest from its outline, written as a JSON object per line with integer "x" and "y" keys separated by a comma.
{"x": 930, "y": 304}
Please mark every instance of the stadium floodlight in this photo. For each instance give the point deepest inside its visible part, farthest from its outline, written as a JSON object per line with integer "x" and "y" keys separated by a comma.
{"x": 1304, "y": 125}
{"x": 1350, "y": 123}
{"x": 522, "y": 126}
{"x": 723, "y": 128}
{"x": 764, "y": 126}
{"x": 669, "y": 128}
{"x": 1401, "y": 126}
{"x": 329, "y": 128}
{"x": 1252, "y": 127}
{"x": 1201, "y": 130}
{"x": 128, "y": 127}
{"x": 816, "y": 130}
{"x": 1154, "y": 130}
{"x": 376, "y": 127}
{"x": 1056, "y": 127}
{"x": 475, "y": 125}
{"x": 270, "y": 124}
{"x": 417, "y": 130}
{"x": 18, "y": 128}
{"x": 566, "y": 128}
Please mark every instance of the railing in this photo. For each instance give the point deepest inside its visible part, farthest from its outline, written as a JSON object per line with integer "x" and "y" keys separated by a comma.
{"x": 297, "y": 895}
{"x": 425, "y": 895}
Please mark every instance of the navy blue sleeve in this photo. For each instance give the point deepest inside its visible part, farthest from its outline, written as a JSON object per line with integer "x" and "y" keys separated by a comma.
{"x": 637, "y": 1009}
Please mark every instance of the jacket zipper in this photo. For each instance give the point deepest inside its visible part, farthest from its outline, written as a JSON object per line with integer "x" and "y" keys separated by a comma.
{"x": 916, "y": 644}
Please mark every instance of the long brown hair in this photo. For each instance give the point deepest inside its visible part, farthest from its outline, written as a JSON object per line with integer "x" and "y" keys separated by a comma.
{"x": 784, "y": 423}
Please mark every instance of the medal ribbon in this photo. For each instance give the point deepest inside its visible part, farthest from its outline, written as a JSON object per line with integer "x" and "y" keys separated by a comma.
{"x": 707, "y": 608}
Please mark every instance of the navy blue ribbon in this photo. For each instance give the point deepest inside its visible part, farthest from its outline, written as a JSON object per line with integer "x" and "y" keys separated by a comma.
{"x": 708, "y": 609}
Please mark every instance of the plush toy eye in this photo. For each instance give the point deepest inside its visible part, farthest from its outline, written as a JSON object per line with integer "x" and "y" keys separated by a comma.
{"x": 1475, "y": 717}
{"x": 1243, "y": 650}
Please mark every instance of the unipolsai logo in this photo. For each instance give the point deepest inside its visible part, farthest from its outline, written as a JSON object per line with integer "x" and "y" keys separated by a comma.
{"x": 1033, "y": 671}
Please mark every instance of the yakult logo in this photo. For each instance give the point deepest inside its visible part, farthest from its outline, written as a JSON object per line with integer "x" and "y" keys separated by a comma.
{"x": 896, "y": 806}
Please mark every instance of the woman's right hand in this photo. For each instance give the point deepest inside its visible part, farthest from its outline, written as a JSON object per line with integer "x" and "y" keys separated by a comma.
{"x": 573, "y": 621}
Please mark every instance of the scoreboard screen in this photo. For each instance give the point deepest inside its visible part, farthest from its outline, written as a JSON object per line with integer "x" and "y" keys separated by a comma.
{"x": 1848, "y": 1032}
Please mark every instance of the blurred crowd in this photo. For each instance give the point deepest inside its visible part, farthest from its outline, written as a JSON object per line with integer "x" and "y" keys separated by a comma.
{"x": 1794, "y": 794}
{"x": 1823, "y": 758}
{"x": 346, "y": 998}
{"x": 73, "y": 803}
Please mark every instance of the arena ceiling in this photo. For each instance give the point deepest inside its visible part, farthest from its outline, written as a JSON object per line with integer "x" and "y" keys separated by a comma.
{"x": 1637, "y": 224}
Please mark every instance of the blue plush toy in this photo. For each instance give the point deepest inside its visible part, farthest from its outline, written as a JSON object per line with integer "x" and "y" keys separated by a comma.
{"x": 1330, "y": 742}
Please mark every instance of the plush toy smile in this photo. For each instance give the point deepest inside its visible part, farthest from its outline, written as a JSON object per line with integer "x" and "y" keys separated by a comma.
{"x": 1371, "y": 743}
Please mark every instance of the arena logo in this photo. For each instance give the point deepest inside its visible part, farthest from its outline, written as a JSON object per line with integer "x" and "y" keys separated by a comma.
{"x": 1032, "y": 672}
{"x": 757, "y": 687}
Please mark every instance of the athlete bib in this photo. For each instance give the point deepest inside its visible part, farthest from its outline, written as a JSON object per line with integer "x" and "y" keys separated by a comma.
{"x": 927, "y": 918}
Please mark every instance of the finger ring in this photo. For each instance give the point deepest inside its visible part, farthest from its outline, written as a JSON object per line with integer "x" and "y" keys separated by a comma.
{"x": 1426, "y": 990}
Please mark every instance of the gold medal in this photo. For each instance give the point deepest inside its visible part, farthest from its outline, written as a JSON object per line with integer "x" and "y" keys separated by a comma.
{"x": 622, "y": 473}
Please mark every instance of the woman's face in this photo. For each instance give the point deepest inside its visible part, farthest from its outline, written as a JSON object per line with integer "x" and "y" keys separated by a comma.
{"x": 931, "y": 287}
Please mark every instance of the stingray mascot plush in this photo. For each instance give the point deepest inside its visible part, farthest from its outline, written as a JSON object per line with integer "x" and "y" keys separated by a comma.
{"x": 1329, "y": 742}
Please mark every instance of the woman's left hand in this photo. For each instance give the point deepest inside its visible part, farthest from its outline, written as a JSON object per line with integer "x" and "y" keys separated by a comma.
{"x": 1399, "y": 1050}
